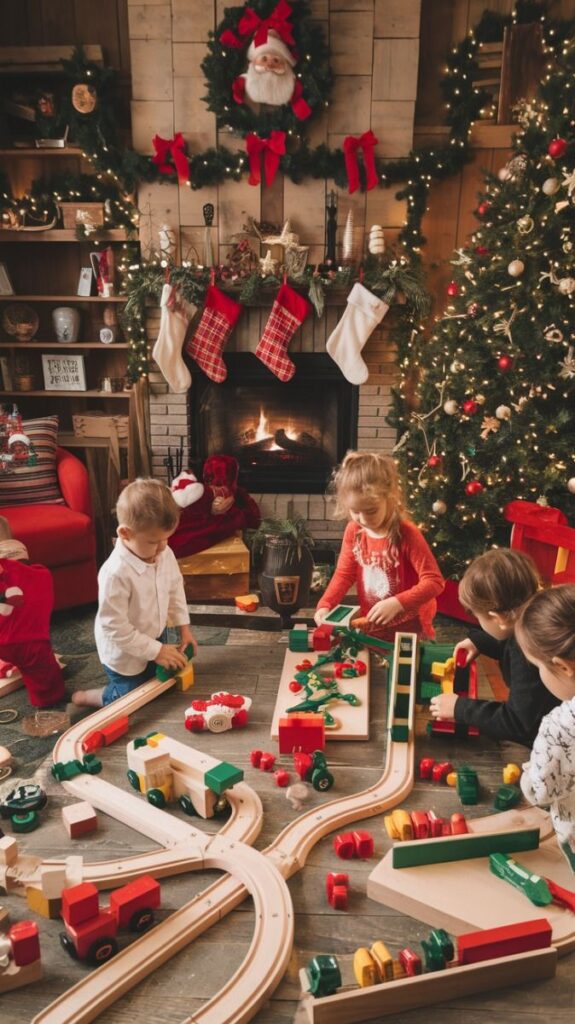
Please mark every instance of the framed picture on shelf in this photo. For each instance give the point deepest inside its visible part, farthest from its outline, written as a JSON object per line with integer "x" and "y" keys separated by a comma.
{"x": 64, "y": 373}
{"x": 86, "y": 281}
{"x": 5, "y": 282}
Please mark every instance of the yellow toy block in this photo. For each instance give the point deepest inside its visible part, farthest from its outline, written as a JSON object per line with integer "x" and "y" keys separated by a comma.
{"x": 185, "y": 678}
{"x": 43, "y": 905}
{"x": 511, "y": 774}
{"x": 398, "y": 825}
{"x": 390, "y": 827}
{"x": 365, "y": 968}
{"x": 443, "y": 672}
{"x": 383, "y": 960}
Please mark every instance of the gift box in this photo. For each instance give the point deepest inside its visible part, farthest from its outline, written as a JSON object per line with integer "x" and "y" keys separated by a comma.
{"x": 221, "y": 571}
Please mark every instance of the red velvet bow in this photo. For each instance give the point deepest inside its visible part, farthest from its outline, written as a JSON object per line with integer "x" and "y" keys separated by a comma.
{"x": 351, "y": 144}
{"x": 174, "y": 148}
{"x": 250, "y": 24}
{"x": 299, "y": 105}
{"x": 272, "y": 148}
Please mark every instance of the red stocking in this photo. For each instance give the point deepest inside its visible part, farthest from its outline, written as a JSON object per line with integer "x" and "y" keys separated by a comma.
{"x": 288, "y": 313}
{"x": 218, "y": 320}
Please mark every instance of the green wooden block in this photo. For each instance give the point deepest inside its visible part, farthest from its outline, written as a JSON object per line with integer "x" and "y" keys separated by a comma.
{"x": 404, "y": 673}
{"x": 223, "y": 777}
{"x": 341, "y": 611}
{"x": 429, "y": 689}
{"x": 402, "y": 705}
{"x": 430, "y": 652}
{"x": 400, "y": 733}
{"x": 466, "y": 847}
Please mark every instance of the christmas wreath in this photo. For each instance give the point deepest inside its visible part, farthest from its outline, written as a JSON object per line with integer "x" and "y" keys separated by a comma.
{"x": 267, "y": 68}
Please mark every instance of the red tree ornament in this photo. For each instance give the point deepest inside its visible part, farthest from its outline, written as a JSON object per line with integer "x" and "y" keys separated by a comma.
{"x": 481, "y": 250}
{"x": 434, "y": 461}
{"x": 483, "y": 208}
{"x": 505, "y": 363}
{"x": 453, "y": 289}
{"x": 474, "y": 309}
{"x": 470, "y": 407}
{"x": 557, "y": 148}
{"x": 474, "y": 487}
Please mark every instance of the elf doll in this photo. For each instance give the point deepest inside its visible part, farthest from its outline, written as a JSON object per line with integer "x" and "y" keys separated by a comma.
{"x": 26, "y": 603}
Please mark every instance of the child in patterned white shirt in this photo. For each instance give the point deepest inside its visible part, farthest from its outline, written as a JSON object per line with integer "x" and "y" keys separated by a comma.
{"x": 546, "y": 634}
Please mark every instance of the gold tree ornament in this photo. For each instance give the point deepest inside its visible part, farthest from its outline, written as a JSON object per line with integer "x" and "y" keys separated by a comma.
{"x": 84, "y": 98}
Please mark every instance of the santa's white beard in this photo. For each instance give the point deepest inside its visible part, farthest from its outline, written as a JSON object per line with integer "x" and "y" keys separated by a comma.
{"x": 267, "y": 87}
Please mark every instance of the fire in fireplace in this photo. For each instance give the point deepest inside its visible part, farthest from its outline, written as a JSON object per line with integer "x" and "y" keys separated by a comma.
{"x": 286, "y": 437}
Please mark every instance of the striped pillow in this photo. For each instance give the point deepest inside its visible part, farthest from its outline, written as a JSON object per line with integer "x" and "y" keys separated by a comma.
{"x": 38, "y": 484}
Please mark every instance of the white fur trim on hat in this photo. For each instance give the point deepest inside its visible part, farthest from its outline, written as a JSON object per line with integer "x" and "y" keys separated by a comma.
{"x": 273, "y": 44}
{"x": 18, "y": 437}
{"x": 186, "y": 489}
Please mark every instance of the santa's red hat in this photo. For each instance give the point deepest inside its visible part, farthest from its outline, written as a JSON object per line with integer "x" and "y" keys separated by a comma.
{"x": 186, "y": 489}
{"x": 273, "y": 44}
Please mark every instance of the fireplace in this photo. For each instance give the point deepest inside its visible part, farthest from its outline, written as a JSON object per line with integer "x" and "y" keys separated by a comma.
{"x": 286, "y": 437}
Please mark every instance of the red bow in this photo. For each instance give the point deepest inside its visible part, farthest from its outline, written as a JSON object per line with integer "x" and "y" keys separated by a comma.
{"x": 250, "y": 24}
{"x": 351, "y": 144}
{"x": 272, "y": 148}
{"x": 174, "y": 148}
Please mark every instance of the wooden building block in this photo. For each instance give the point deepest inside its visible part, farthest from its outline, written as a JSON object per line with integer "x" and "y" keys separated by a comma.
{"x": 513, "y": 938}
{"x": 465, "y": 847}
{"x": 16, "y": 977}
{"x": 8, "y": 850}
{"x": 74, "y": 870}
{"x": 79, "y": 819}
{"x": 43, "y": 905}
{"x": 52, "y": 880}
{"x": 353, "y": 721}
{"x": 301, "y": 731}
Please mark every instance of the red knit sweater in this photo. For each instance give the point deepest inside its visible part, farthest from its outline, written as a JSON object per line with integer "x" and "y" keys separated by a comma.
{"x": 415, "y": 580}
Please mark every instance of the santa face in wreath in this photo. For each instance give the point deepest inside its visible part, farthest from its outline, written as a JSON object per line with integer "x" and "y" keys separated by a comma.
{"x": 270, "y": 77}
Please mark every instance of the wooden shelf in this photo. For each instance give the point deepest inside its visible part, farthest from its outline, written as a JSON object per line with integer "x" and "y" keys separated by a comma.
{"x": 58, "y": 346}
{"x": 68, "y": 440}
{"x": 62, "y": 235}
{"x": 36, "y": 151}
{"x": 68, "y": 394}
{"x": 61, "y": 298}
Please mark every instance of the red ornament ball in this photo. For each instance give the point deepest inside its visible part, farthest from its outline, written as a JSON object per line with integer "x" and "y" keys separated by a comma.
{"x": 470, "y": 407}
{"x": 505, "y": 363}
{"x": 481, "y": 250}
{"x": 453, "y": 288}
{"x": 434, "y": 461}
{"x": 483, "y": 208}
{"x": 557, "y": 148}
{"x": 474, "y": 487}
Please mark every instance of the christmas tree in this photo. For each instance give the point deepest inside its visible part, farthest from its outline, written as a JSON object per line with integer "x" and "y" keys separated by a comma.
{"x": 494, "y": 415}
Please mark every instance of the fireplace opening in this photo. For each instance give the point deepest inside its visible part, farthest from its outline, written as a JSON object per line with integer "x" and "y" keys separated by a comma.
{"x": 287, "y": 437}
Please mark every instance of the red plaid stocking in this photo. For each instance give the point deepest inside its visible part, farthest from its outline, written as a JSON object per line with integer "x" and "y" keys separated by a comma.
{"x": 288, "y": 313}
{"x": 218, "y": 320}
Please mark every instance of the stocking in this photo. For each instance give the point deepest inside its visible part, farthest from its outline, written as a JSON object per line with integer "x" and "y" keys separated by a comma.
{"x": 288, "y": 313}
{"x": 218, "y": 320}
{"x": 167, "y": 352}
{"x": 364, "y": 312}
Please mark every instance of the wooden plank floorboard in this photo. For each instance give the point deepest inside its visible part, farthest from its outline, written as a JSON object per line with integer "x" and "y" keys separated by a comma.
{"x": 179, "y": 988}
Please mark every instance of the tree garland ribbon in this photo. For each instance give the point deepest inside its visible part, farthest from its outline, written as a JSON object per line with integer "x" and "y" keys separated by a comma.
{"x": 174, "y": 148}
{"x": 367, "y": 143}
{"x": 272, "y": 148}
{"x": 250, "y": 24}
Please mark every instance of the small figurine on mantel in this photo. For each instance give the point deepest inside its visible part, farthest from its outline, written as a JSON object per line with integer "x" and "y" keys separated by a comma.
{"x": 331, "y": 228}
{"x": 294, "y": 255}
{"x": 376, "y": 241}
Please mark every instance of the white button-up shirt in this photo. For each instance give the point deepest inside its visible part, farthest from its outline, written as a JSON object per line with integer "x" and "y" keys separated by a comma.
{"x": 135, "y": 601}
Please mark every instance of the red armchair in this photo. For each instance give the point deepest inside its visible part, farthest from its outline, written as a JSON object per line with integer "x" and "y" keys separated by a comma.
{"x": 62, "y": 537}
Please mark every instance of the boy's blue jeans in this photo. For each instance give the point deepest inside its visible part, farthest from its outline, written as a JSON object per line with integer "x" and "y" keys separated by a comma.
{"x": 119, "y": 685}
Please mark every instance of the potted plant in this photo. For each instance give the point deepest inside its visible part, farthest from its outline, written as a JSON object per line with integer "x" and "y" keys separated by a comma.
{"x": 287, "y": 564}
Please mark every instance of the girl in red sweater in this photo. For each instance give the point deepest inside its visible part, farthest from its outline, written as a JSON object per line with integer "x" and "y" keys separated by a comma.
{"x": 383, "y": 553}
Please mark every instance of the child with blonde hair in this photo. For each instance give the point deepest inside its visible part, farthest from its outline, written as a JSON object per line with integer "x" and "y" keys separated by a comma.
{"x": 140, "y": 590}
{"x": 494, "y": 588}
{"x": 546, "y": 634}
{"x": 382, "y": 551}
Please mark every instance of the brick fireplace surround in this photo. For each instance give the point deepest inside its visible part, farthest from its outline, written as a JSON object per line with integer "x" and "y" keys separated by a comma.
{"x": 170, "y": 419}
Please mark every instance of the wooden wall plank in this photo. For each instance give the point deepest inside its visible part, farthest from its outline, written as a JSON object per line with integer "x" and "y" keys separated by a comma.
{"x": 150, "y": 21}
{"x": 58, "y": 21}
{"x": 152, "y": 77}
{"x": 349, "y": 110}
{"x": 395, "y": 69}
{"x": 100, "y": 23}
{"x": 193, "y": 19}
{"x": 305, "y": 208}
{"x": 392, "y": 122}
{"x": 149, "y": 118}
{"x": 522, "y": 68}
{"x": 397, "y": 18}
{"x": 351, "y": 43}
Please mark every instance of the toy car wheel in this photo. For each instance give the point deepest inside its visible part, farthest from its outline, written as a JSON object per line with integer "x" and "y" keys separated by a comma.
{"x": 141, "y": 920}
{"x": 68, "y": 945}
{"x": 25, "y": 822}
{"x": 156, "y": 798}
{"x": 187, "y": 805}
{"x": 322, "y": 780}
{"x": 102, "y": 950}
{"x": 134, "y": 780}
{"x": 222, "y": 808}
{"x": 218, "y": 722}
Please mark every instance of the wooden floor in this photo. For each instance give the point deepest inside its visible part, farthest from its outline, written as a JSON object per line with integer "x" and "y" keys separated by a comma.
{"x": 250, "y": 663}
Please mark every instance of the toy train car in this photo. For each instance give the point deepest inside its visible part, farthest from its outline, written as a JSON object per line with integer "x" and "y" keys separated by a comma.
{"x": 91, "y": 931}
{"x": 166, "y": 770}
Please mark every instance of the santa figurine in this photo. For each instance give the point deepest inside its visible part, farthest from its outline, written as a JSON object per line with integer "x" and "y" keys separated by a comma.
{"x": 270, "y": 77}
{"x": 186, "y": 489}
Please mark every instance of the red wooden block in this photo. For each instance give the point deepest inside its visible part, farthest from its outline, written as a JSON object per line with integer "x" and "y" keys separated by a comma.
{"x": 410, "y": 962}
{"x": 420, "y": 823}
{"x": 255, "y": 758}
{"x": 505, "y": 941}
{"x": 282, "y": 778}
{"x": 302, "y": 762}
{"x": 458, "y": 825}
{"x": 321, "y": 638}
{"x": 334, "y": 878}
{"x": 113, "y": 730}
{"x": 93, "y": 741}
{"x": 267, "y": 762}
{"x": 301, "y": 731}
{"x": 102, "y": 926}
{"x": 339, "y": 897}
{"x": 79, "y": 903}
{"x": 363, "y": 842}
{"x": 436, "y": 825}
{"x": 25, "y": 942}
{"x": 79, "y": 819}
{"x": 440, "y": 771}
{"x": 141, "y": 894}
{"x": 425, "y": 766}
{"x": 344, "y": 845}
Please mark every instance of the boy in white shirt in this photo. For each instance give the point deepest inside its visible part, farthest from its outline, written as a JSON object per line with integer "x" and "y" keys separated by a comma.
{"x": 140, "y": 589}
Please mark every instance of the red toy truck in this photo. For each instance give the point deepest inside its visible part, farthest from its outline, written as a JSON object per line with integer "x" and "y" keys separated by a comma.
{"x": 91, "y": 932}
